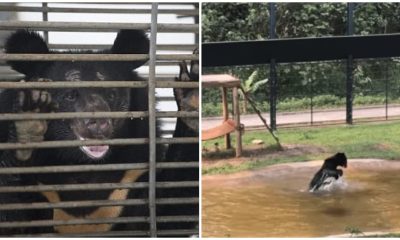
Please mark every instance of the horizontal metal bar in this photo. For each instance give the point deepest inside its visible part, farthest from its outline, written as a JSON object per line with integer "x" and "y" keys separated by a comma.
{"x": 72, "y": 204}
{"x": 95, "y": 203}
{"x": 43, "y": 223}
{"x": 94, "y": 26}
{"x": 94, "y": 186}
{"x": 95, "y": 167}
{"x": 96, "y": 84}
{"x": 173, "y": 84}
{"x": 91, "y": 57}
{"x": 77, "y": 143}
{"x": 183, "y": 232}
{"x": 10, "y": 8}
{"x": 160, "y": 47}
{"x": 165, "y": 219}
{"x": 80, "y": 115}
{"x": 299, "y": 50}
{"x": 90, "y": 234}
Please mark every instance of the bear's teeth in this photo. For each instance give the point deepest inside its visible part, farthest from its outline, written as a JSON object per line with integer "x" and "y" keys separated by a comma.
{"x": 95, "y": 151}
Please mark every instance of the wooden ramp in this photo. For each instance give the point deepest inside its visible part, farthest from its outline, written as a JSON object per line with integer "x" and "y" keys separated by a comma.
{"x": 226, "y": 127}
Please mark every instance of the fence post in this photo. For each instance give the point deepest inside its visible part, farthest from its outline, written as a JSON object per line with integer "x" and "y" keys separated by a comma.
{"x": 272, "y": 71}
{"x": 349, "y": 68}
{"x": 387, "y": 90}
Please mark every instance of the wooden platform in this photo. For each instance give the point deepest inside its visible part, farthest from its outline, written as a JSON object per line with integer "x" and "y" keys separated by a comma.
{"x": 225, "y": 81}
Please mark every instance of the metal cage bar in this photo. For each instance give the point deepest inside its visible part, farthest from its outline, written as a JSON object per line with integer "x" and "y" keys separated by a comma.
{"x": 94, "y": 27}
{"x": 47, "y": 9}
{"x": 151, "y": 82}
{"x": 152, "y": 120}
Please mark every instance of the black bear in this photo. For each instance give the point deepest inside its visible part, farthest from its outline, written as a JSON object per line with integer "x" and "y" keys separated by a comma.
{"x": 77, "y": 100}
{"x": 328, "y": 172}
{"x": 187, "y": 100}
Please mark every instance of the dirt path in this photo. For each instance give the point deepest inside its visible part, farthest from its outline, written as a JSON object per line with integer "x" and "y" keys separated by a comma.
{"x": 253, "y": 120}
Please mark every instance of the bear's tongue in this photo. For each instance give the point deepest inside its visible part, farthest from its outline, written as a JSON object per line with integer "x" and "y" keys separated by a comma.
{"x": 95, "y": 151}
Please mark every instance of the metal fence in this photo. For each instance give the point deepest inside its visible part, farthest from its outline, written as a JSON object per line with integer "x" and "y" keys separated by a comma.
{"x": 342, "y": 53}
{"x": 154, "y": 81}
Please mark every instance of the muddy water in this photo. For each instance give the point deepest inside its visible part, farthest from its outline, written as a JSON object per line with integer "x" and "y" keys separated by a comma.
{"x": 275, "y": 202}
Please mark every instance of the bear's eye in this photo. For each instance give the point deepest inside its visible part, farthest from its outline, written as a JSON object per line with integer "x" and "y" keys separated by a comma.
{"x": 71, "y": 96}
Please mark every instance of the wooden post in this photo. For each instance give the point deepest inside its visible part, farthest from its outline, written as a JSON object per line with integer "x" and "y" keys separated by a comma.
{"x": 236, "y": 113}
{"x": 225, "y": 114}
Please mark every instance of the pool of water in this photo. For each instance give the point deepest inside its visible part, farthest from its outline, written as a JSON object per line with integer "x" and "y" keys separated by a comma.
{"x": 274, "y": 202}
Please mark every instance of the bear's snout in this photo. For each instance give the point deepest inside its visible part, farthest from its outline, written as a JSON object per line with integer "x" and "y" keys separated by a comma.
{"x": 98, "y": 127}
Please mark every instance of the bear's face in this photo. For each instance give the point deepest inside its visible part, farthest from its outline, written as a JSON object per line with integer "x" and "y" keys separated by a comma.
{"x": 83, "y": 99}
{"x": 87, "y": 100}
{"x": 339, "y": 159}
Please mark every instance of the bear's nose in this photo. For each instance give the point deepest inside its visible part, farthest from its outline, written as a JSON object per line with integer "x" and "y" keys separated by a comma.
{"x": 97, "y": 126}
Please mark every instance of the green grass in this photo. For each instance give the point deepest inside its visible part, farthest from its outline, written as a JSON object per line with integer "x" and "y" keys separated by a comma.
{"x": 358, "y": 141}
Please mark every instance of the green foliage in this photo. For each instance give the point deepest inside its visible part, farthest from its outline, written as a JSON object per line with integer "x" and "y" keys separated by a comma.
{"x": 353, "y": 230}
{"x": 250, "y": 21}
{"x": 297, "y": 104}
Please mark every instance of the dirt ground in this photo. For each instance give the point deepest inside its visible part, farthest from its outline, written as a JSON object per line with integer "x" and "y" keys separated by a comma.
{"x": 256, "y": 152}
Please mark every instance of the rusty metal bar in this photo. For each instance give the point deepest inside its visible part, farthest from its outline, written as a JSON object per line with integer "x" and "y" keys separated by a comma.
{"x": 96, "y": 84}
{"x": 152, "y": 120}
{"x": 80, "y": 115}
{"x": 10, "y": 8}
{"x": 95, "y": 186}
{"x": 77, "y": 143}
{"x": 95, "y": 26}
{"x": 95, "y": 203}
{"x": 91, "y": 57}
{"x": 94, "y": 167}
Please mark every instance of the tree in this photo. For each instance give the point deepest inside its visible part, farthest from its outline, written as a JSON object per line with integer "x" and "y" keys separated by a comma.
{"x": 250, "y": 85}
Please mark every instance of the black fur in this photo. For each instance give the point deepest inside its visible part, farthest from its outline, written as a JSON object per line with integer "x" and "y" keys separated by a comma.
{"x": 329, "y": 169}
{"x": 182, "y": 153}
{"x": 73, "y": 100}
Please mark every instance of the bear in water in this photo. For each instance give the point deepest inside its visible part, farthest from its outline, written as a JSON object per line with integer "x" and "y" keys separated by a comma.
{"x": 328, "y": 173}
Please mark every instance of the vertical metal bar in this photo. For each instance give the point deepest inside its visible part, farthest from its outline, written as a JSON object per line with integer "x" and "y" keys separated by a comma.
{"x": 311, "y": 102}
{"x": 152, "y": 120}
{"x": 45, "y": 19}
{"x": 196, "y": 21}
{"x": 273, "y": 76}
{"x": 386, "y": 90}
{"x": 349, "y": 69}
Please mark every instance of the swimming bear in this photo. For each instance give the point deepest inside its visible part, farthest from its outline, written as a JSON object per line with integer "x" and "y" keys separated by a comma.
{"x": 328, "y": 173}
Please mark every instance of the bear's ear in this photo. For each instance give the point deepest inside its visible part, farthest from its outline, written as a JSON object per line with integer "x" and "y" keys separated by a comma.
{"x": 131, "y": 42}
{"x": 24, "y": 41}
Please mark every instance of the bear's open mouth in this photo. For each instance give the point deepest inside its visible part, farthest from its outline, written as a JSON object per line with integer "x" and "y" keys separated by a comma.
{"x": 96, "y": 151}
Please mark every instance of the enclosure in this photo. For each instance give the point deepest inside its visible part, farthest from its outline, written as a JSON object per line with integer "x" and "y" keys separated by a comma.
{"x": 173, "y": 29}
{"x": 318, "y": 62}
{"x": 305, "y": 65}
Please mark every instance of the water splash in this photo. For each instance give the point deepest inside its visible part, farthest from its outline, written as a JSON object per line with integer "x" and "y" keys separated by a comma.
{"x": 332, "y": 185}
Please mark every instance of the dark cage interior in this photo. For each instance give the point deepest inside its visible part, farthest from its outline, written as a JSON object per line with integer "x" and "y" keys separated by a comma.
{"x": 99, "y": 139}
